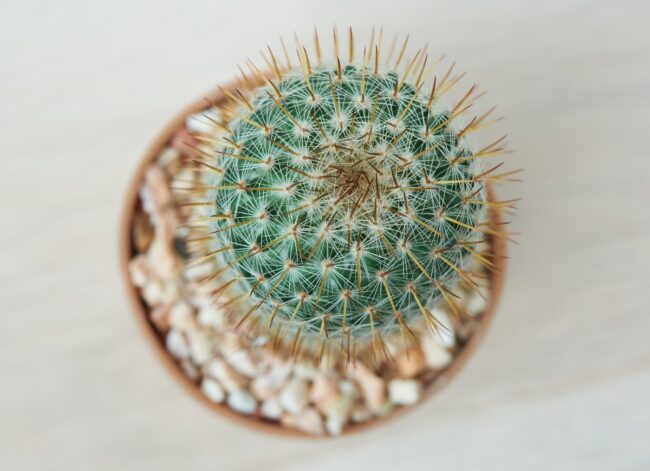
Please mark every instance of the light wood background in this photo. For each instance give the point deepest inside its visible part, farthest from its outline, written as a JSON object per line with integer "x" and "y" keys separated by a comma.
{"x": 563, "y": 378}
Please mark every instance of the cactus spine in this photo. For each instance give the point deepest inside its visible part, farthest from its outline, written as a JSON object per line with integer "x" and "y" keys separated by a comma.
{"x": 345, "y": 197}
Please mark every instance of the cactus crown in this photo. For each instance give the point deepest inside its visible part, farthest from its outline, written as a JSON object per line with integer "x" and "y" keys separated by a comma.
{"x": 344, "y": 199}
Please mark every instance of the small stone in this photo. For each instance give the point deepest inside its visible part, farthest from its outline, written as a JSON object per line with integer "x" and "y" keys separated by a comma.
{"x": 337, "y": 413}
{"x": 271, "y": 409}
{"x": 410, "y": 363}
{"x": 242, "y": 402}
{"x": 159, "y": 316}
{"x": 201, "y": 347}
{"x": 184, "y": 142}
{"x": 475, "y": 304}
{"x": 168, "y": 157}
{"x": 446, "y": 332}
{"x": 349, "y": 388}
{"x": 181, "y": 317}
{"x": 404, "y": 392}
{"x": 393, "y": 346}
{"x": 230, "y": 342}
{"x": 212, "y": 316}
{"x": 139, "y": 270}
{"x": 262, "y": 361}
{"x": 309, "y": 421}
{"x": 306, "y": 371}
{"x": 185, "y": 177}
{"x": 177, "y": 345}
{"x": 170, "y": 291}
{"x": 190, "y": 370}
{"x": 158, "y": 190}
{"x": 372, "y": 387}
{"x": 336, "y": 419}
{"x": 199, "y": 302}
{"x": 241, "y": 361}
{"x": 206, "y": 287}
{"x": 260, "y": 341}
{"x": 270, "y": 384}
{"x": 323, "y": 390}
{"x": 226, "y": 375}
{"x": 359, "y": 414}
{"x": 295, "y": 396}
{"x": 198, "y": 123}
{"x": 162, "y": 256}
{"x": 213, "y": 390}
{"x": 199, "y": 272}
{"x": 386, "y": 409}
{"x": 147, "y": 203}
{"x": 152, "y": 292}
{"x": 436, "y": 356}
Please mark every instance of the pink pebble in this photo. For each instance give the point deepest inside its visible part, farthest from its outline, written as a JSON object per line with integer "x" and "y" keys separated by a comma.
{"x": 184, "y": 141}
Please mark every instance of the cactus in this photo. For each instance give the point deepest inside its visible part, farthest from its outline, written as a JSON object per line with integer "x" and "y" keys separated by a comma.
{"x": 345, "y": 197}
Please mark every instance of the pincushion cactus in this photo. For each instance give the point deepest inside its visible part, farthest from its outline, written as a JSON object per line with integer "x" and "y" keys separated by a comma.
{"x": 343, "y": 198}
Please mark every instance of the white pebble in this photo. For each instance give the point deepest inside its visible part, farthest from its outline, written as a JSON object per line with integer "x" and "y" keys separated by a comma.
{"x": 147, "y": 202}
{"x": 294, "y": 397}
{"x": 271, "y": 409}
{"x": 446, "y": 332}
{"x": 337, "y": 414}
{"x": 152, "y": 292}
{"x": 323, "y": 390}
{"x": 229, "y": 343}
{"x": 139, "y": 271}
{"x": 404, "y": 392}
{"x": 260, "y": 341}
{"x": 158, "y": 196}
{"x": 177, "y": 345}
{"x": 198, "y": 123}
{"x": 162, "y": 256}
{"x": 185, "y": 174}
{"x": 241, "y": 361}
{"x": 212, "y": 316}
{"x": 372, "y": 387}
{"x": 198, "y": 272}
{"x": 435, "y": 355}
{"x": 359, "y": 414}
{"x": 242, "y": 402}
{"x": 305, "y": 371}
{"x": 348, "y": 388}
{"x": 201, "y": 347}
{"x": 386, "y": 409}
{"x": 393, "y": 346}
{"x": 181, "y": 317}
{"x": 213, "y": 390}
{"x": 270, "y": 383}
{"x": 168, "y": 156}
{"x": 170, "y": 292}
{"x": 226, "y": 375}
{"x": 190, "y": 370}
{"x": 475, "y": 304}
{"x": 309, "y": 421}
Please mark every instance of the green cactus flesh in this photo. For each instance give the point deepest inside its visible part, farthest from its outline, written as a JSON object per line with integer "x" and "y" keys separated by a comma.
{"x": 346, "y": 201}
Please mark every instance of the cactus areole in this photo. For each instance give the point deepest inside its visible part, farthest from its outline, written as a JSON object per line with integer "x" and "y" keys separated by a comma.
{"x": 344, "y": 199}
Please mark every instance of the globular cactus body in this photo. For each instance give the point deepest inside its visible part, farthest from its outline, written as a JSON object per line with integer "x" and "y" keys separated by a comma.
{"x": 346, "y": 199}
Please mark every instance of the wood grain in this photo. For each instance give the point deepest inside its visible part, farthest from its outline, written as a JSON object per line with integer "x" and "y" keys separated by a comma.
{"x": 560, "y": 382}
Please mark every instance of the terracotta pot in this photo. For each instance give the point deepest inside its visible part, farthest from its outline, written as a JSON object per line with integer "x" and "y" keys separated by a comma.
{"x": 140, "y": 309}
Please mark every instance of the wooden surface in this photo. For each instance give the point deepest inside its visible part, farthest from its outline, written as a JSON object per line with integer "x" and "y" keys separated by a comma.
{"x": 561, "y": 382}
